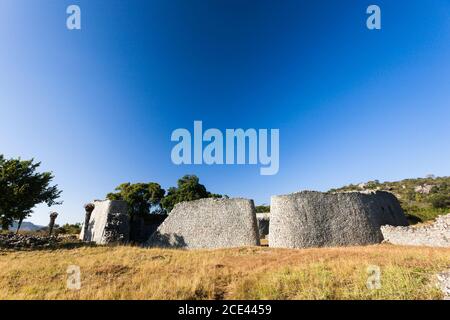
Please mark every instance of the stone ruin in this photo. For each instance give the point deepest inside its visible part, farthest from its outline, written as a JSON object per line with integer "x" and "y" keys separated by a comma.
{"x": 108, "y": 221}
{"x": 436, "y": 234}
{"x": 27, "y": 241}
{"x": 205, "y": 223}
{"x": 299, "y": 220}
{"x": 263, "y": 220}
{"x": 314, "y": 219}
{"x": 209, "y": 223}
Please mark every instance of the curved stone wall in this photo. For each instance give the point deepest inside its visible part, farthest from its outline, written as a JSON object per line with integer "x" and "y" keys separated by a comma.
{"x": 315, "y": 219}
{"x": 209, "y": 223}
{"x": 263, "y": 224}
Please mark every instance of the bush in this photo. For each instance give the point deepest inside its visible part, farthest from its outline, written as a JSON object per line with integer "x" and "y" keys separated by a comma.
{"x": 440, "y": 201}
{"x": 69, "y": 229}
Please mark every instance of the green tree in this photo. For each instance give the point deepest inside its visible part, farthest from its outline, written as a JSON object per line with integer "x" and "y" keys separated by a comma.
{"x": 70, "y": 229}
{"x": 188, "y": 189}
{"x": 439, "y": 201}
{"x": 262, "y": 209}
{"x": 140, "y": 197}
{"x": 440, "y": 196}
{"x": 22, "y": 188}
{"x": 372, "y": 184}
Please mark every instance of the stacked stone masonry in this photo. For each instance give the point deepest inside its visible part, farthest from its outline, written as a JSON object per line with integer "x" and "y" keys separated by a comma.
{"x": 209, "y": 223}
{"x": 314, "y": 219}
{"x": 436, "y": 234}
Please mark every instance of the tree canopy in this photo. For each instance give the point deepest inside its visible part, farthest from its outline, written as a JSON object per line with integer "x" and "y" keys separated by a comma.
{"x": 144, "y": 198}
{"x": 22, "y": 188}
{"x": 188, "y": 188}
{"x": 140, "y": 197}
{"x": 262, "y": 209}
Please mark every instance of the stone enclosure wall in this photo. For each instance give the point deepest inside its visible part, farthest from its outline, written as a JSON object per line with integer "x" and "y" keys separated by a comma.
{"x": 299, "y": 220}
{"x": 263, "y": 224}
{"x": 108, "y": 223}
{"x": 436, "y": 234}
{"x": 27, "y": 241}
{"x": 209, "y": 223}
{"x": 315, "y": 219}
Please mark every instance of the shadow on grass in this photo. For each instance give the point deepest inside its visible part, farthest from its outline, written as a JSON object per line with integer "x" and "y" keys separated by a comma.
{"x": 167, "y": 241}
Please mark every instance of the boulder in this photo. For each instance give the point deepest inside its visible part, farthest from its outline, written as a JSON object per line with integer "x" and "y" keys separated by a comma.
{"x": 315, "y": 219}
{"x": 208, "y": 223}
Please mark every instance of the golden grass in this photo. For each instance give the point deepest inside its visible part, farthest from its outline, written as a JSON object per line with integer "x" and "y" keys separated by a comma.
{"x": 243, "y": 273}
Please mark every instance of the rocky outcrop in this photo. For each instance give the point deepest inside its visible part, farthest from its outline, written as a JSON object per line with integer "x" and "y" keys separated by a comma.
{"x": 108, "y": 223}
{"x": 315, "y": 219}
{"x": 208, "y": 223}
{"x": 424, "y": 189}
{"x": 436, "y": 234}
{"x": 263, "y": 224}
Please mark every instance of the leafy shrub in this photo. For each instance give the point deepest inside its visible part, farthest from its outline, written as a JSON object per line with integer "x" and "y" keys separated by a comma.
{"x": 69, "y": 229}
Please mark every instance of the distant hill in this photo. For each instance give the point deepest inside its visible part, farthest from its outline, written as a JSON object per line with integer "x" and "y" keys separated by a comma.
{"x": 26, "y": 226}
{"x": 422, "y": 199}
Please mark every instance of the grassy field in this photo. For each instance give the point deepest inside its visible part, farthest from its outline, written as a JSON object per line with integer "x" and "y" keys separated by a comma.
{"x": 242, "y": 273}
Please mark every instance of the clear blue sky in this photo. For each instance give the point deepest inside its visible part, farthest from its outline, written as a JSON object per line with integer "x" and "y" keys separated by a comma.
{"x": 97, "y": 106}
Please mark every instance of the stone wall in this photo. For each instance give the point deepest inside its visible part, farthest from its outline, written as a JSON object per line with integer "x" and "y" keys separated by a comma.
{"x": 27, "y": 241}
{"x": 436, "y": 234}
{"x": 315, "y": 219}
{"x": 209, "y": 223}
{"x": 263, "y": 224}
{"x": 108, "y": 223}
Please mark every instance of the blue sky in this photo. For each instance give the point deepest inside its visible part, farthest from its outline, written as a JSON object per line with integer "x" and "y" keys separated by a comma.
{"x": 98, "y": 106}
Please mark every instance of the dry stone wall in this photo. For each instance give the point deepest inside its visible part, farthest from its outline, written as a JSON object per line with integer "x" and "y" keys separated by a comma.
{"x": 263, "y": 224}
{"x": 208, "y": 223}
{"x": 436, "y": 234}
{"x": 315, "y": 219}
{"x": 25, "y": 241}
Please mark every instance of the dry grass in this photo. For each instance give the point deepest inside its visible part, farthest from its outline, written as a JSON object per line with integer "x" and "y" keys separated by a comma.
{"x": 241, "y": 273}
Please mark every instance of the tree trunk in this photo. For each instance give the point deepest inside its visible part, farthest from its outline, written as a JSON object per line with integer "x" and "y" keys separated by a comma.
{"x": 19, "y": 225}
